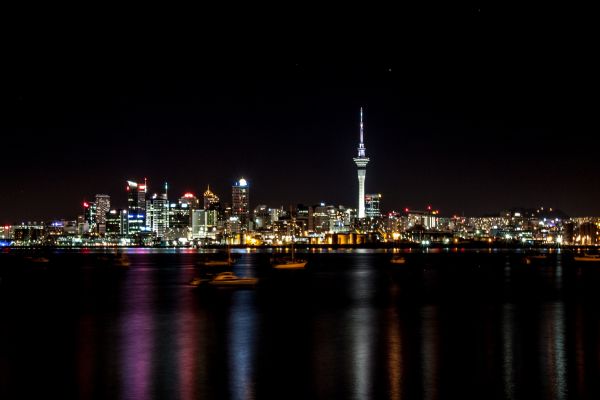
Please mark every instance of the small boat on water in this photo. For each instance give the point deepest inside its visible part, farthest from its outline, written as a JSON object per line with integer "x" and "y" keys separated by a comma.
{"x": 528, "y": 260}
{"x": 212, "y": 262}
{"x": 216, "y": 263}
{"x": 36, "y": 260}
{"x": 587, "y": 258}
{"x": 197, "y": 281}
{"x": 230, "y": 279}
{"x": 289, "y": 263}
{"x": 398, "y": 259}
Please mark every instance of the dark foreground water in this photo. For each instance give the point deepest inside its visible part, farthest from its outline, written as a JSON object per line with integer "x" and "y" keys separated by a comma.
{"x": 479, "y": 325}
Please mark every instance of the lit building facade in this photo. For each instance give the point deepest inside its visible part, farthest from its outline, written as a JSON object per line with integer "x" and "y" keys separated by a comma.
{"x": 180, "y": 216}
{"x": 427, "y": 219}
{"x": 211, "y": 200}
{"x": 361, "y": 162}
{"x": 157, "y": 219}
{"x": 372, "y": 205}
{"x": 89, "y": 216}
{"x": 136, "y": 207}
{"x": 240, "y": 195}
{"x": 190, "y": 200}
{"x": 204, "y": 224}
{"x": 262, "y": 217}
{"x": 102, "y": 208}
{"x": 116, "y": 223}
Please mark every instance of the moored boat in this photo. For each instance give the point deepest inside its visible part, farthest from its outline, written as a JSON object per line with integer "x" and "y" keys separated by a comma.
{"x": 292, "y": 262}
{"x": 289, "y": 264}
{"x": 215, "y": 262}
{"x": 230, "y": 279}
{"x": 587, "y": 258}
{"x": 397, "y": 259}
{"x": 39, "y": 260}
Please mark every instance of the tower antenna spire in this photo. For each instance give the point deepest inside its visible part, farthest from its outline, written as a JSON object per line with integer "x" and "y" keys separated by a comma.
{"x": 361, "y": 162}
{"x": 361, "y": 127}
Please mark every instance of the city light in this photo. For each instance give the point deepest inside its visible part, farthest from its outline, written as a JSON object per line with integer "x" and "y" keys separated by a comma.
{"x": 154, "y": 220}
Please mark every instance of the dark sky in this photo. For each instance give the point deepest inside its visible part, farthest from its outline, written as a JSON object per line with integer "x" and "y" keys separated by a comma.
{"x": 471, "y": 110}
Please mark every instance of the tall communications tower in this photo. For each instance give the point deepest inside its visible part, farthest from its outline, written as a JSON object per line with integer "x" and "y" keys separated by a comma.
{"x": 361, "y": 163}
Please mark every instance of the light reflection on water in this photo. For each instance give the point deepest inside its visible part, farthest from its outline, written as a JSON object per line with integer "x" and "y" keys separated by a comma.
{"x": 553, "y": 353}
{"x": 137, "y": 331}
{"x": 508, "y": 351}
{"x": 241, "y": 345}
{"x": 361, "y": 324}
{"x": 430, "y": 351}
{"x": 350, "y": 326}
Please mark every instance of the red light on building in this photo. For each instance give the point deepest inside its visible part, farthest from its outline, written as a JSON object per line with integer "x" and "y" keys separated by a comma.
{"x": 85, "y": 204}
{"x": 406, "y": 209}
{"x": 429, "y": 208}
{"x": 188, "y": 195}
{"x": 142, "y": 188}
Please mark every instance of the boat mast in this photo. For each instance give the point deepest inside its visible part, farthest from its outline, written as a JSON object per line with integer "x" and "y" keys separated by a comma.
{"x": 293, "y": 236}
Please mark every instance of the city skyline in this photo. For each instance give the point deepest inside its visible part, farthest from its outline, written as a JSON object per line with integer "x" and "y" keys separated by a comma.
{"x": 467, "y": 116}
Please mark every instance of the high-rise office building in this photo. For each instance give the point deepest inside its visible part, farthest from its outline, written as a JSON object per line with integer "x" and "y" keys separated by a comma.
{"x": 116, "y": 222}
{"x": 180, "y": 215}
{"x": 157, "y": 214}
{"x": 262, "y": 217}
{"x": 89, "y": 216}
{"x": 136, "y": 207}
{"x": 204, "y": 224}
{"x": 102, "y": 208}
{"x": 190, "y": 200}
{"x": 211, "y": 200}
{"x": 240, "y": 193}
{"x": 361, "y": 162}
{"x": 372, "y": 205}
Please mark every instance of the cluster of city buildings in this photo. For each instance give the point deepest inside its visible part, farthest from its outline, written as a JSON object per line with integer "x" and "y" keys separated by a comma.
{"x": 155, "y": 219}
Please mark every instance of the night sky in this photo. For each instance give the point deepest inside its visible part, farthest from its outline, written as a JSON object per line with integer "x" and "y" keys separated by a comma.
{"x": 471, "y": 111}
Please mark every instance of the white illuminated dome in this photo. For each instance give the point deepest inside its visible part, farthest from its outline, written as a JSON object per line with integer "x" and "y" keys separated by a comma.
{"x": 243, "y": 182}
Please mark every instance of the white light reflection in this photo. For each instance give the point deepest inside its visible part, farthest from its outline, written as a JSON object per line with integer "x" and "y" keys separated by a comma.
{"x": 430, "y": 351}
{"x": 137, "y": 336}
{"x": 362, "y": 349}
{"x": 395, "y": 355}
{"x": 554, "y": 357}
{"x": 362, "y": 333}
{"x": 508, "y": 360}
{"x": 241, "y": 343}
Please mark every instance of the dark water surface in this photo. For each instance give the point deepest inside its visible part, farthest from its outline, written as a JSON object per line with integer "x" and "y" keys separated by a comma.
{"x": 480, "y": 325}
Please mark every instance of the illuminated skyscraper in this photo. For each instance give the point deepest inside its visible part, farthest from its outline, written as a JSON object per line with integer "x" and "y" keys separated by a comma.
{"x": 89, "y": 215}
{"x": 361, "y": 162}
{"x": 136, "y": 207}
{"x": 372, "y": 205}
{"x": 190, "y": 200}
{"x": 157, "y": 214}
{"x": 211, "y": 200}
{"x": 240, "y": 192}
{"x": 102, "y": 208}
{"x": 116, "y": 222}
{"x": 204, "y": 224}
